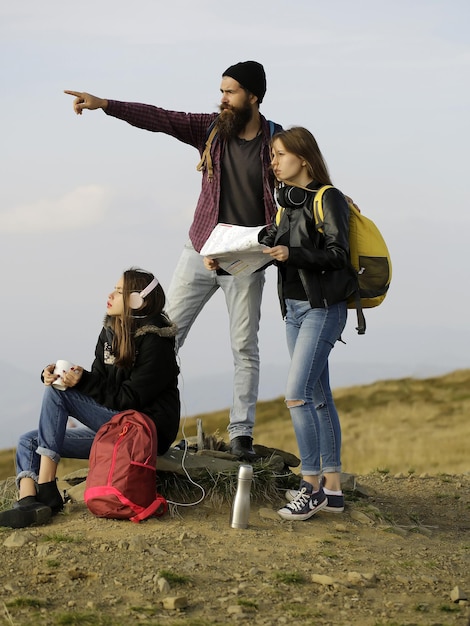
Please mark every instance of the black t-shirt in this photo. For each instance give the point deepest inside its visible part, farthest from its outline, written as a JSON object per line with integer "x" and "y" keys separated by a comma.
{"x": 241, "y": 194}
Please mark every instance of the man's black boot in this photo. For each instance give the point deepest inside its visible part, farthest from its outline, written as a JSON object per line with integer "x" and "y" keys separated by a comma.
{"x": 49, "y": 494}
{"x": 26, "y": 512}
{"x": 242, "y": 447}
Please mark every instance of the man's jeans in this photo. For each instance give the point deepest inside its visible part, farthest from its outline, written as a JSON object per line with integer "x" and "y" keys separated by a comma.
{"x": 53, "y": 438}
{"x": 311, "y": 334}
{"x": 192, "y": 286}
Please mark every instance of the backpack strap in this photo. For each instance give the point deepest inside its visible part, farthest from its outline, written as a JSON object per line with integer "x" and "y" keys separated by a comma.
{"x": 274, "y": 128}
{"x": 206, "y": 159}
{"x": 158, "y": 507}
{"x": 361, "y": 320}
{"x": 318, "y": 214}
{"x": 319, "y": 222}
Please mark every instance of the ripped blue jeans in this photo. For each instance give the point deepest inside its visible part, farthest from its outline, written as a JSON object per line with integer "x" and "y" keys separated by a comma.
{"x": 311, "y": 335}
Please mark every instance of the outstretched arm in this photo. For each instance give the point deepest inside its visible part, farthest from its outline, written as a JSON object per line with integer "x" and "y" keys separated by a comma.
{"x": 86, "y": 101}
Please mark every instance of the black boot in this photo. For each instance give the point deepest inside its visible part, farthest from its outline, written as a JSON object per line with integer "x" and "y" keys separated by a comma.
{"x": 26, "y": 512}
{"x": 242, "y": 447}
{"x": 49, "y": 494}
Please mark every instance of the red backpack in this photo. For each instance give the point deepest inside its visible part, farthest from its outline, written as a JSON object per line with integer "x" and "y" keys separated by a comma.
{"x": 121, "y": 481}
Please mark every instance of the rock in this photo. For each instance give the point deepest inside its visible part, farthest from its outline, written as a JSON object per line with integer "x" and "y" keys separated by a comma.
{"x": 163, "y": 585}
{"x": 361, "y": 517}
{"x": 289, "y": 459}
{"x": 43, "y": 550}
{"x": 76, "y": 492}
{"x": 195, "y": 464}
{"x": 359, "y": 490}
{"x": 322, "y": 579}
{"x": 19, "y": 539}
{"x": 217, "y": 454}
{"x": 374, "y": 510}
{"x": 370, "y": 577}
{"x": 355, "y": 577}
{"x": 235, "y": 609}
{"x": 173, "y": 603}
{"x": 276, "y": 463}
{"x": 138, "y": 543}
{"x": 429, "y": 580}
{"x": 77, "y": 477}
{"x": 457, "y": 594}
{"x": 341, "y": 528}
{"x": 358, "y": 577}
{"x": 348, "y": 482}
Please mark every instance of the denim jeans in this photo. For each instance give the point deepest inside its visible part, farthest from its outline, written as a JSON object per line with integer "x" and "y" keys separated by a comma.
{"x": 311, "y": 334}
{"x": 192, "y": 286}
{"x": 53, "y": 438}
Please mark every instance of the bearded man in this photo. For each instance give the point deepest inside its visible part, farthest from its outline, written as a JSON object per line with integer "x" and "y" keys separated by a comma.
{"x": 237, "y": 188}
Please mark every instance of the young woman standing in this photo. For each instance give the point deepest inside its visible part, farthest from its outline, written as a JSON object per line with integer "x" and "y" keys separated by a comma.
{"x": 314, "y": 282}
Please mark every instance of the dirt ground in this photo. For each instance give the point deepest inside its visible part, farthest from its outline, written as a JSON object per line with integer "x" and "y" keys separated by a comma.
{"x": 398, "y": 556}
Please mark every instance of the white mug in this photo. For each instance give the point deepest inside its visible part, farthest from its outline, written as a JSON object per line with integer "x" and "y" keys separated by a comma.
{"x": 61, "y": 367}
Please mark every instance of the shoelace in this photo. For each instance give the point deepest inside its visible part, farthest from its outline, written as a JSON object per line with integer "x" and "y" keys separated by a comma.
{"x": 300, "y": 500}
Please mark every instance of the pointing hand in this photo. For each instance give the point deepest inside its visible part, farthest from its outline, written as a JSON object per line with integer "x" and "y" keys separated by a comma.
{"x": 86, "y": 101}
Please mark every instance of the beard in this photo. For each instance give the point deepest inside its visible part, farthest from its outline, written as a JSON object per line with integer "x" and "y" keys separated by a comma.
{"x": 232, "y": 120}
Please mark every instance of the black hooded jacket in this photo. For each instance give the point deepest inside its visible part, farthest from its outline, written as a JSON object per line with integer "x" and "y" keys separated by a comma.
{"x": 150, "y": 385}
{"x": 322, "y": 260}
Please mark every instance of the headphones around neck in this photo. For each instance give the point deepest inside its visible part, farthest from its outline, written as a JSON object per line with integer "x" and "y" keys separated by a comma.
{"x": 136, "y": 298}
{"x": 294, "y": 197}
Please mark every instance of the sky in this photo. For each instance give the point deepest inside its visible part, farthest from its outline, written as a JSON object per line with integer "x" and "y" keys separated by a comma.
{"x": 383, "y": 86}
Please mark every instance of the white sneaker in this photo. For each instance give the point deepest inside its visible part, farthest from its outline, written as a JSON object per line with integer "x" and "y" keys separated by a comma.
{"x": 305, "y": 504}
{"x": 335, "y": 502}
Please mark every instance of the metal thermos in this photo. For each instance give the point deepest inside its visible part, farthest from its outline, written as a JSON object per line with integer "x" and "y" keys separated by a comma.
{"x": 241, "y": 502}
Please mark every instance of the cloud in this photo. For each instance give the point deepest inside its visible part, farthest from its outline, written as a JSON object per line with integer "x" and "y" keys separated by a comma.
{"x": 80, "y": 208}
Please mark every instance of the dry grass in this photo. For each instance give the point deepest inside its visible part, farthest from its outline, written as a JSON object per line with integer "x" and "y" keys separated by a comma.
{"x": 220, "y": 487}
{"x": 406, "y": 425}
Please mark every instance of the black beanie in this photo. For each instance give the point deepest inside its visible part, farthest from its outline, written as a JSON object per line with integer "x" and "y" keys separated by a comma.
{"x": 250, "y": 75}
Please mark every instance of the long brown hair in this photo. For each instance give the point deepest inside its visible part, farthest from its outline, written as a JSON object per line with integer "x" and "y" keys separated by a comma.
{"x": 124, "y": 326}
{"x": 301, "y": 142}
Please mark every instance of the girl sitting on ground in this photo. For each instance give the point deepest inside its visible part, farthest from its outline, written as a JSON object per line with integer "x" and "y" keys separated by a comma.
{"x": 135, "y": 368}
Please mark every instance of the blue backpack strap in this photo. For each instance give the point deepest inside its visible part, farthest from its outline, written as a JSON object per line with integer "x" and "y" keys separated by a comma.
{"x": 274, "y": 128}
{"x": 210, "y": 127}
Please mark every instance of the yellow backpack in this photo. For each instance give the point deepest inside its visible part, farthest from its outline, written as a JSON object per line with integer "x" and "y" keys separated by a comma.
{"x": 369, "y": 258}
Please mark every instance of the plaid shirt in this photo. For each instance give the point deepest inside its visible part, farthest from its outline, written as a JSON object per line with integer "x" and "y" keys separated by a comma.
{"x": 192, "y": 128}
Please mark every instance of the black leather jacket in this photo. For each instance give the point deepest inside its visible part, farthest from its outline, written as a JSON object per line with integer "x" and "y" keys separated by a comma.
{"x": 322, "y": 260}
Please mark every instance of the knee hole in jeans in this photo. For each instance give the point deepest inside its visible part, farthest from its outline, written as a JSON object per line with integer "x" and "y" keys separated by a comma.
{"x": 292, "y": 403}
